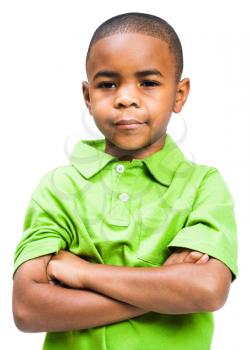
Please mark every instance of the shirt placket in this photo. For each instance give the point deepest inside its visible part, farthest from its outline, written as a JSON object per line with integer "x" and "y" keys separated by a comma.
{"x": 119, "y": 211}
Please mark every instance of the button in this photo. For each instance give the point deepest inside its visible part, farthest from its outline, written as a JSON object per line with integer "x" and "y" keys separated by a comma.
{"x": 123, "y": 197}
{"x": 120, "y": 168}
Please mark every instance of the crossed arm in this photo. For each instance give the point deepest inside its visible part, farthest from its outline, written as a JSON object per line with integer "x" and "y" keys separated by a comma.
{"x": 65, "y": 292}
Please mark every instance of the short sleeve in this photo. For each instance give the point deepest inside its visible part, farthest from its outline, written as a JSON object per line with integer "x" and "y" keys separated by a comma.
{"x": 44, "y": 229}
{"x": 211, "y": 226}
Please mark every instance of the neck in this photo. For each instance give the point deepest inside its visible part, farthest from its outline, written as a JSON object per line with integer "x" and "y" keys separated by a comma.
{"x": 124, "y": 154}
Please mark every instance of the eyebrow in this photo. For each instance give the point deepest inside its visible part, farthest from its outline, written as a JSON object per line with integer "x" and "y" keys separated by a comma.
{"x": 139, "y": 74}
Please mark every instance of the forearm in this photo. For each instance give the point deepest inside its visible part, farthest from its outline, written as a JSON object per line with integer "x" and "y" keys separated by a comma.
{"x": 46, "y": 308}
{"x": 174, "y": 289}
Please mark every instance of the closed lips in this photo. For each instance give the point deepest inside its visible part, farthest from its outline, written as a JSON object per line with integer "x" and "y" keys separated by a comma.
{"x": 128, "y": 122}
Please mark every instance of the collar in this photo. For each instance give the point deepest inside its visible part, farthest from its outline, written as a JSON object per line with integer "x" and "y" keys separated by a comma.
{"x": 164, "y": 163}
{"x": 89, "y": 157}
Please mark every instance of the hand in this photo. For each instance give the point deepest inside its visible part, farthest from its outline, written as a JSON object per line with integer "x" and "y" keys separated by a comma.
{"x": 68, "y": 270}
{"x": 185, "y": 255}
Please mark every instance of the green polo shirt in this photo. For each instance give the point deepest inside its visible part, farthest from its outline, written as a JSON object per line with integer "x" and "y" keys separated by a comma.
{"x": 132, "y": 213}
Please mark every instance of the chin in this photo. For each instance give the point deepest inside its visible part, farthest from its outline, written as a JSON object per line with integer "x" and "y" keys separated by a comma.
{"x": 130, "y": 146}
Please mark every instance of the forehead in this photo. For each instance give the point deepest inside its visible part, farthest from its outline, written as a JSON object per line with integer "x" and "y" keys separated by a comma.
{"x": 130, "y": 52}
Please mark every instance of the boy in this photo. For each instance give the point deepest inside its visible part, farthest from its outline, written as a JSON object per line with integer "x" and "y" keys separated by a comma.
{"x": 145, "y": 239}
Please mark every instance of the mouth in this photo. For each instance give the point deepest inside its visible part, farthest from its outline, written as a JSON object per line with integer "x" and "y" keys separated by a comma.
{"x": 128, "y": 123}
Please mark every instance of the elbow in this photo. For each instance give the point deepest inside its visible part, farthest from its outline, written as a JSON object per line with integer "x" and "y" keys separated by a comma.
{"x": 216, "y": 302}
{"x": 22, "y": 317}
{"x": 212, "y": 304}
{"x": 215, "y": 297}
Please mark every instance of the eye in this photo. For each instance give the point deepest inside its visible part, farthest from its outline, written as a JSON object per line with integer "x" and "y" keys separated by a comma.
{"x": 106, "y": 85}
{"x": 150, "y": 83}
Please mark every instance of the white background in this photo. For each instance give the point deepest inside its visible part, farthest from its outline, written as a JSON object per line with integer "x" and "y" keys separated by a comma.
{"x": 42, "y": 52}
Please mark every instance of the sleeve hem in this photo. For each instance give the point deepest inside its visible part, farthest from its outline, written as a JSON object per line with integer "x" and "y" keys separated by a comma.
{"x": 49, "y": 247}
{"x": 207, "y": 250}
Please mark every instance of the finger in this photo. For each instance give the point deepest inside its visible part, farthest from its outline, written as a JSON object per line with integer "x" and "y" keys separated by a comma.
{"x": 181, "y": 257}
{"x": 193, "y": 257}
{"x": 52, "y": 282}
{"x": 177, "y": 257}
{"x": 203, "y": 259}
{"x": 171, "y": 259}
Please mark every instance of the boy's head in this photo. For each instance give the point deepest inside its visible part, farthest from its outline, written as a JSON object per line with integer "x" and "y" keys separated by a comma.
{"x": 150, "y": 25}
{"x": 134, "y": 64}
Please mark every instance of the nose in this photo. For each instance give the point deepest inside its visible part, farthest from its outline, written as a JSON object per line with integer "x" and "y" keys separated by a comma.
{"x": 126, "y": 98}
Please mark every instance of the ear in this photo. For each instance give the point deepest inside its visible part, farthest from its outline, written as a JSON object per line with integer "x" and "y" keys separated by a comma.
{"x": 86, "y": 93}
{"x": 182, "y": 92}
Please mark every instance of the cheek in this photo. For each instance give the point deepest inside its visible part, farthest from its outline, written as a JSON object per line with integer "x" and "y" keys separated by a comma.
{"x": 161, "y": 102}
{"x": 100, "y": 104}
{"x": 159, "y": 110}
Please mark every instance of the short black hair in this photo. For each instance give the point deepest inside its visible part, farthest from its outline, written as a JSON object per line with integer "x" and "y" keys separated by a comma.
{"x": 137, "y": 22}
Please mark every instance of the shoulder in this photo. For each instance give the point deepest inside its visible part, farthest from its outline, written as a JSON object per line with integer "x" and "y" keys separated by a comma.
{"x": 209, "y": 189}
{"x": 199, "y": 169}
{"x": 202, "y": 172}
{"x": 203, "y": 179}
{"x": 194, "y": 173}
{"x": 61, "y": 181}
